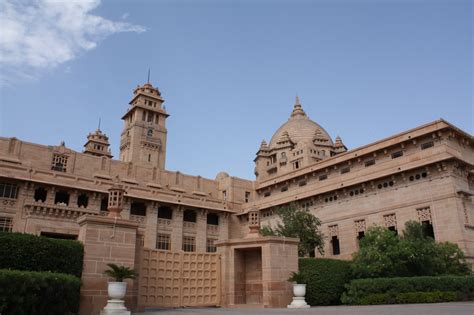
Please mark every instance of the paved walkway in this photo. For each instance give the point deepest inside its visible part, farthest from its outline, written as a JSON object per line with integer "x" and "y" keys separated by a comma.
{"x": 455, "y": 308}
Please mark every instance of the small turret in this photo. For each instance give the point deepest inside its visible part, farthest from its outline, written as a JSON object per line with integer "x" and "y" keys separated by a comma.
{"x": 97, "y": 144}
{"x": 339, "y": 147}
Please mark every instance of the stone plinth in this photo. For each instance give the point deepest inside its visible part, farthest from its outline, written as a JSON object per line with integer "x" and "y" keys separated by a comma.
{"x": 106, "y": 240}
{"x": 256, "y": 270}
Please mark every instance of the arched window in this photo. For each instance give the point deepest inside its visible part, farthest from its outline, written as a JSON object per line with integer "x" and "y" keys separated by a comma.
{"x": 150, "y": 133}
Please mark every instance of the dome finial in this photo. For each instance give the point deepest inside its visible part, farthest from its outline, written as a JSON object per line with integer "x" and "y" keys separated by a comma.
{"x": 297, "y": 108}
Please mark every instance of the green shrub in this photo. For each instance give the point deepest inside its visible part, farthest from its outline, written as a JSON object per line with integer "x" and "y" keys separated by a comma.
{"x": 325, "y": 279}
{"x": 37, "y": 253}
{"x": 384, "y": 254}
{"x": 29, "y": 292}
{"x": 409, "y": 290}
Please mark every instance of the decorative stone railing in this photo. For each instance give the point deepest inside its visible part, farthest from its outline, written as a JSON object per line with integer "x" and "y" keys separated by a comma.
{"x": 189, "y": 227}
{"x": 7, "y": 202}
{"x": 164, "y": 224}
{"x": 212, "y": 229}
{"x": 42, "y": 210}
{"x": 141, "y": 219}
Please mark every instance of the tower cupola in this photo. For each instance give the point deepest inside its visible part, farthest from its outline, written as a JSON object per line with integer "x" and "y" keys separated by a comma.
{"x": 97, "y": 144}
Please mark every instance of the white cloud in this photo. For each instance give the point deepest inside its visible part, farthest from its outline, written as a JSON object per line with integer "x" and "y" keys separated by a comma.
{"x": 41, "y": 34}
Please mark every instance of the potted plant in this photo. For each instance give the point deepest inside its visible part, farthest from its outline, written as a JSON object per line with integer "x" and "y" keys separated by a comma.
{"x": 117, "y": 289}
{"x": 299, "y": 291}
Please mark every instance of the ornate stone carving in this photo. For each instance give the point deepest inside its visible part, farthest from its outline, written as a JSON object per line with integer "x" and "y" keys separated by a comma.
{"x": 424, "y": 214}
{"x": 390, "y": 220}
{"x": 333, "y": 230}
{"x": 359, "y": 226}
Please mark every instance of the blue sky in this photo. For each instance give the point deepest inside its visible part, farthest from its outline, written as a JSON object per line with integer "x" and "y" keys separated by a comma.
{"x": 229, "y": 71}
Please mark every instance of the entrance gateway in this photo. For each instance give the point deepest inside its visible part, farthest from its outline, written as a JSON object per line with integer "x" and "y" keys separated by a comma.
{"x": 178, "y": 279}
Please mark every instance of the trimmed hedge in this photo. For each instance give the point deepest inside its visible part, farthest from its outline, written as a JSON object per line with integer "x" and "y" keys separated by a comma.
{"x": 325, "y": 279}
{"x": 38, "y": 253}
{"x": 412, "y": 297}
{"x": 29, "y": 292}
{"x": 409, "y": 290}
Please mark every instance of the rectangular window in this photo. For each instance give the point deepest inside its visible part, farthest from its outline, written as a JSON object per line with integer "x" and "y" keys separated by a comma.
{"x": 189, "y": 244}
{"x": 346, "y": 169}
{"x": 296, "y": 165}
{"x": 8, "y": 190}
{"x": 138, "y": 208}
{"x": 210, "y": 247}
{"x": 284, "y": 188}
{"x": 224, "y": 194}
{"x": 163, "y": 241}
{"x": 427, "y": 145}
{"x": 397, "y": 154}
{"x": 323, "y": 177}
{"x": 150, "y": 117}
{"x": 59, "y": 163}
{"x": 335, "y": 245}
{"x": 369, "y": 163}
{"x": 302, "y": 183}
{"x": 6, "y": 224}
{"x": 267, "y": 194}
{"x": 144, "y": 115}
{"x": 247, "y": 196}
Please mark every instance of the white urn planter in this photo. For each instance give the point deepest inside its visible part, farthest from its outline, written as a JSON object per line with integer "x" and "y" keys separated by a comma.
{"x": 299, "y": 291}
{"x": 117, "y": 290}
{"x": 115, "y": 304}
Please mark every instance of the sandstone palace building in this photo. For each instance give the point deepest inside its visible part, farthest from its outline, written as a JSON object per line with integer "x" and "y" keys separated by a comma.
{"x": 424, "y": 174}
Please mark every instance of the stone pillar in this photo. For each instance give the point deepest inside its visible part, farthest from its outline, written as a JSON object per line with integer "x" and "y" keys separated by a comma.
{"x": 50, "y": 195}
{"x": 177, "y": 231}
{"x": 201, "y": 231}
{"x": 224, "y": 222}
{"x": 73, "y": 195}
{"x": 151, "y": 226}
{"x": 106, "y": 240}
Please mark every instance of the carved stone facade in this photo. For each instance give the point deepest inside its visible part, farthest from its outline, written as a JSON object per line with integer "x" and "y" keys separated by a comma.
{"x": 424, "y": 174}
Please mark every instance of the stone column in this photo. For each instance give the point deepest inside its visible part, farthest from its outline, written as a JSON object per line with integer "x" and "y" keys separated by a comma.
{"x": 73, "y": 195}
{"x": 50, "y": 195}
{"x": 177, "y": 232}
{"x": 224, "y": 222}
{"x": 201, "y": 231}
{"x": 126, "y": 208}
{"x": 151, "y": 226}
{"x": 106, "y": 240}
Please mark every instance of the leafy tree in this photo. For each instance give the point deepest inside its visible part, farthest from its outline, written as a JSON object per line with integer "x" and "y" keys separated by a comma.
{"x": 384, "y": 254}
{"x": 378, "y": 254}
{"x": 296, "y": 222}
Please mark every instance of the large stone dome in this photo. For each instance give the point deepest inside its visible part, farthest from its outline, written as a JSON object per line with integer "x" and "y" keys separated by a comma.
{"x": 300, "y": 128}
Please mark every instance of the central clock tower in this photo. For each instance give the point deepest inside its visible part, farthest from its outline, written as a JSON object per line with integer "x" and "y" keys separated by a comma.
{"x": 143, "y": 139}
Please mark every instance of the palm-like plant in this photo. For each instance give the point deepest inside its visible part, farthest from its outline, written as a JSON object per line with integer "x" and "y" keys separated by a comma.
{"x": 119, "y": 273}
